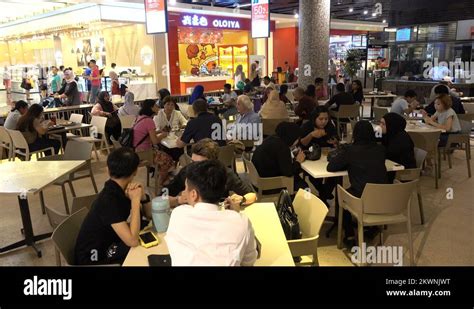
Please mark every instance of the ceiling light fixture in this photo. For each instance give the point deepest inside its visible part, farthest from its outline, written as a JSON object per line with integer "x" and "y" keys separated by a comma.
{"x": 384, "y": 21}
{"x": 351, "y": 10}
{"x": 374, "y": 14}
{"x": 297, "y": 15}
{"x": 366, "y": 12}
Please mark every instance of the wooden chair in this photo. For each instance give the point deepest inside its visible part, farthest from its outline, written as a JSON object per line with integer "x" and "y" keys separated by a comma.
{"x": 379, "y": 112}
{"x": 464, "y": 140}
{"x": 127, "y": 121}
{"x": 351, "y": 112}
{"x": 227, "y": 156}
{"x": 428, "y": 141}
{"x": 269, "y": 125}
{"x": 6, "y": 143}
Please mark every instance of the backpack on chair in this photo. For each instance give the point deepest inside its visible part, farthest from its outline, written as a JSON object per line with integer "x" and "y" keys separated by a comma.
{"x": 126, "y": 138}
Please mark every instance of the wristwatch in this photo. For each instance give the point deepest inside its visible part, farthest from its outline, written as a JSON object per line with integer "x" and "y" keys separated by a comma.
{"x": 146, "y": 200}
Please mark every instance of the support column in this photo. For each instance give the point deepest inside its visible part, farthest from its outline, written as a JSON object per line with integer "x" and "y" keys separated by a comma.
{"x": 313, "y": 49}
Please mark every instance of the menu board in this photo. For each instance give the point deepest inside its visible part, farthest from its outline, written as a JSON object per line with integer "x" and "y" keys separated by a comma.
{"x": 260, "y": 19}
{"x": 156, "y": 16}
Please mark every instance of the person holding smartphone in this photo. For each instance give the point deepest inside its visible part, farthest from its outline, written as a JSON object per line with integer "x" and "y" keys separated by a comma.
{"x": 320, "y": 130}
{"x": 106, "y": 236}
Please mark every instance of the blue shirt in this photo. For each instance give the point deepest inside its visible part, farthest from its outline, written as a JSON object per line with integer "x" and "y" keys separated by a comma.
{"x": 88, "y": 73}
{"x": 205, "y": 125}
{"x": 250, "y": 117}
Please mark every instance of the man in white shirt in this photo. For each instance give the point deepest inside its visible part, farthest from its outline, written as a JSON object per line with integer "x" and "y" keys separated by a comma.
{"x": 228, "y": 95}
{"x": 200, "y": 234}
{"x": 406, "y": 105}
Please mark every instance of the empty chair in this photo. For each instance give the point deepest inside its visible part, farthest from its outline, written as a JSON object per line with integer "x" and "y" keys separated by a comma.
{"x": 379, "y": 112}
{"x": 55, "y": 218}
{"x": 380, "y": 204}
{"x": 76, "y": 118}
{"x": 75, "y": 150}
{"x": 411, "y": 174}
{"x": 463, "y": 139}
{"x": 227, "y": 155}
{"x": 311, "y": 212}
{"x": 267, "y": 183}
{"x": 20, "y": 146}
{"x": 98, "y": 125}
{"x": 469, "y": 108}
{"x": 65, "y": 235}
{"x": 428, "y": 141}
{"x": 6, "y": 144}
{"x": 269, "y": 125}
{"x": 127, "y": 121}
{"x": 351, "y": 112}
{"x": 82, "y": 202}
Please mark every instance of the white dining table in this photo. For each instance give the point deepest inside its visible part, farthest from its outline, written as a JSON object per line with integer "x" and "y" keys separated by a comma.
{"x": 23, "y": 178}
{"x": 266, "y": 224}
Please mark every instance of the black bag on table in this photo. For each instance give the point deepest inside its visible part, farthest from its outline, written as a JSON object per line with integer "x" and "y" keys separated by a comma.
{"x": 313, "y": 154}
{"x": 288, "y": 217}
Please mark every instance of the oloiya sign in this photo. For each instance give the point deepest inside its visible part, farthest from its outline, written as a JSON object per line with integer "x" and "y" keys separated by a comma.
{"x": 195, "y": 20}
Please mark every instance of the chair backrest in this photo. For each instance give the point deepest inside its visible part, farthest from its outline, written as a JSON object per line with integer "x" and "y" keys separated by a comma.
{"x": 18, "y": 139}
{"x": 290, "y": 96}
{"x": 252, "y": 170}
{"x": 466, "y": 117}
{"x": 387, "y": 198}
{"x": 469, "y": 107}
{"x": 82, "y": 202}
{"x": 55, "y": 218}
{"x": 127, "y": 121}
{"x": 420, "y": 156}
{"x": 77, "y": 118}
{"x": 65, "y": 235}
{"x": 116, "y": 143}
{"x": 184, "y": 160}
{"x": 348, "y": 111}
{"x": 5, "y": 141}
{"x": 227, "y": 155}
{"x": 379, "y": 112}
{"x": 269, "y": 125}
{"x": 427, "y": 141}
{"x": 466, "y": 126}
{"x": 99, "y": 122}
{"x": 311, "y": 212}
{"x": 77, "y": 150}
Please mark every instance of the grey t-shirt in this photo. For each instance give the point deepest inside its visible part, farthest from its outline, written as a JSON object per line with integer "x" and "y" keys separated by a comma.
{"x": 399, "y": 105}
{"x": 443, "y": 118}
{"x": 12, "y": 120}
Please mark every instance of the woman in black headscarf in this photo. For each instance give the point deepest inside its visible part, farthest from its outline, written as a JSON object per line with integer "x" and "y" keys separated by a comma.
{"x": 399, "y": 147}
{"x": 275, "y": 156}
{"x": 106, "y": 108}
{"x": 364, "y": 160}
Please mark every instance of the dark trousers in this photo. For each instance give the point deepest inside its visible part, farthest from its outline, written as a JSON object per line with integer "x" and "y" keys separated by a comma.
{"x": 443, "y": 139}
{"x": 42, "y": 143}
{"x": 324, "y": 189}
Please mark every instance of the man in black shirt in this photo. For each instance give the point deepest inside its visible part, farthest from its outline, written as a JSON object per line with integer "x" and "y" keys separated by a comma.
{"x": 443, "y": 89}
{"x": 206, "y": 149}
{"x": 205, "y": 125}
{"x": 341, "y": 98}
{"x": 105, "y": 236}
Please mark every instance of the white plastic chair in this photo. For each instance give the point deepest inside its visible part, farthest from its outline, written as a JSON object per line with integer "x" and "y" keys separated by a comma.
{"x": 311, "y": 212}
{"x": 98, "y": 124}
{"x": 127, "y": 121}
{"x": 20, "y": 146}
{"x": 6, "y": 143}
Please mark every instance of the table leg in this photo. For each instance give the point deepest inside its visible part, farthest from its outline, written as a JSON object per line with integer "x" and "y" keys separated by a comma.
{"x": 336, "y": 210}
{"x": 372, "y": 103}
{"x": 30, "y": 238}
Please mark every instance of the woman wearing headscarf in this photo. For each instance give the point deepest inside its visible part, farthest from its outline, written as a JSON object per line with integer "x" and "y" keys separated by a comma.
{"x": 278, "y": 155}
{"x": 129, "y": 108}
{"x": 106, "y": 108}
{"x": 365, "y": 162}
{"x": 115, "y": 83}
{"x": 198, "y": 93}
{"x": 273, "y": 108}
{"x": 69, "y": 91}
{"x": 399, "y": 147}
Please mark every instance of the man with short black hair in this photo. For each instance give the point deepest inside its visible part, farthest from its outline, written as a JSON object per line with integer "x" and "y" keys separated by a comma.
{"x": 341, "y": 98}
{"x": 440, "y": 90}
{"x": 267, "y": 82}
{"x": 202, "y": 126}
{"x": 200, "y": 234}
{"x": 106, "y": 236}
{"x": 406, "y": 105}
{"x": 95, "y": 82}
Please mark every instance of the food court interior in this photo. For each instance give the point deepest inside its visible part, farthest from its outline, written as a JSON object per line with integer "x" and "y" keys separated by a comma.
{"x": 326, "y": 71}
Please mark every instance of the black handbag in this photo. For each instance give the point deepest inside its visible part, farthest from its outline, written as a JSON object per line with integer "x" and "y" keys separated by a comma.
{"x": 314, "y": 153}
{"x": 288, "y": 217}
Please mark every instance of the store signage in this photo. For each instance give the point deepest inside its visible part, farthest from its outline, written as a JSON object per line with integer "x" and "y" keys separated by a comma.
{"x": 203, "y": 21}
{"x": 156, "y": 16}
{"x": 260, "y": 19}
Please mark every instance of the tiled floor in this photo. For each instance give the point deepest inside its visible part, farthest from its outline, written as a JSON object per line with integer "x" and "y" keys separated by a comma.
{"x": 445, "y": 238}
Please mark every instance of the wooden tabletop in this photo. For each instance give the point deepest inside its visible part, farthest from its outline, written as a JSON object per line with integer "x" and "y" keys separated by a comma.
{"x": 318, "y": 168}
{"x": 414, "y": 126}
{"x": 268, "y": 230}
{"x": 32, "y": 176}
